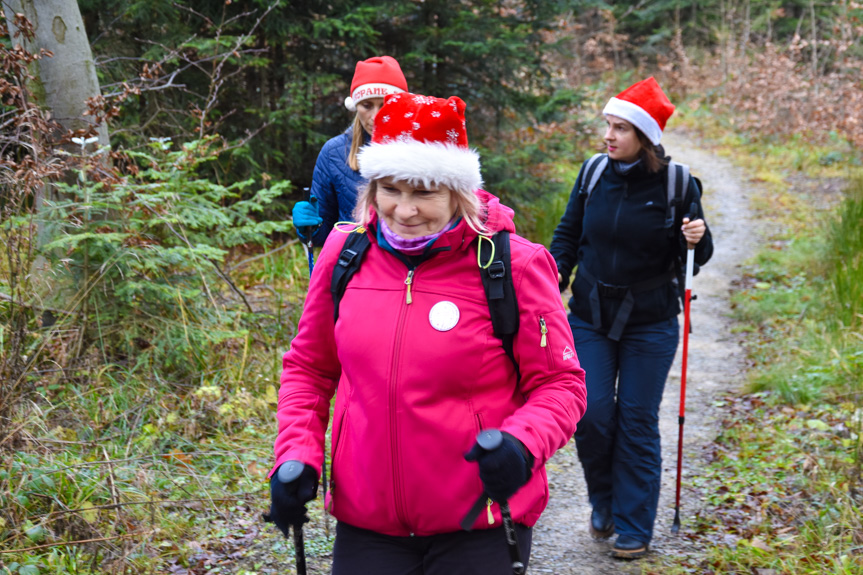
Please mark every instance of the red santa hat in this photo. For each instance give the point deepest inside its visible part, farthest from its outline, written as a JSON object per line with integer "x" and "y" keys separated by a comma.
{"x": 375, "y": 78}
{"x": 645, "y": 106}
{"x": 421, "y": 140}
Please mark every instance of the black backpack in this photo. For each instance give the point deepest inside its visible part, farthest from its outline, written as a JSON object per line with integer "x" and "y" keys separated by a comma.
{"x": 496, "y": 279}
{"x": 676, "y": 185}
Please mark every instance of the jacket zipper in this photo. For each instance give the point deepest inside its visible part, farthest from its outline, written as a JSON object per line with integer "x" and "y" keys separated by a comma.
{"x": 408, "y": 281}
{"x": 543, "y": 342}
{"x": 398, "y": 491}
{"x": 617, "y": 221}
{"x": 489, "y": 502}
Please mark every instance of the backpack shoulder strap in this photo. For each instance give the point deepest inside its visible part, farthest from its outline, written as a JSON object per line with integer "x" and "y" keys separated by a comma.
{"x": 500, "y": 291}
{"x": 678, "y": 183}
{"x": 593, "y": 169}
{"x": 347, "y": 265}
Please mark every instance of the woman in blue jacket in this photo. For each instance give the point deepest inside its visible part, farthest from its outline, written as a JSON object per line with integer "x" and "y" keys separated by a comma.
{"x": 336, "y": 178}
{"x": 627, "y": 243}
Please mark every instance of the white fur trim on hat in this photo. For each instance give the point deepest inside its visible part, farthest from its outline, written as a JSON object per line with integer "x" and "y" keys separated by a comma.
{"x": 366, "y": 91}
{"x": 426, "y": 163}
{"x": 636, "y": 116}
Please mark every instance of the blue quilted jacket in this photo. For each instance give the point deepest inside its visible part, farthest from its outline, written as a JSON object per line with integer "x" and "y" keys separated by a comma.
{"x": 335, "y": 184}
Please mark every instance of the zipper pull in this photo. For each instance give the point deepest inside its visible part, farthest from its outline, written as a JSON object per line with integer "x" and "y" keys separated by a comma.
{"x": 408, "y": 281}
{"x": 488, "y": 509}
{"x": 543, "y": 330}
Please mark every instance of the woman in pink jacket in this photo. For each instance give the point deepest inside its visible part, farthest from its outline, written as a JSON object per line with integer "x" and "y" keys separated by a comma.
{"x": 417, "y": 371}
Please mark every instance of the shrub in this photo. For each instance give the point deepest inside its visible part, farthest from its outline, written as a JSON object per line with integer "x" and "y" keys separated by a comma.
{"x": 139, "y": 258}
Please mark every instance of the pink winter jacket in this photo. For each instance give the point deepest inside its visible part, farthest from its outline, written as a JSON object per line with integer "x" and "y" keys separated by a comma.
{"x": 410, "y": 400}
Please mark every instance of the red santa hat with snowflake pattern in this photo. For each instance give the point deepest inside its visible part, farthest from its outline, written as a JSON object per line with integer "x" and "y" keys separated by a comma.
{"x": 375, "y": 78}
{"x": 421, "y": 140}
{"x": 645, "y": 106}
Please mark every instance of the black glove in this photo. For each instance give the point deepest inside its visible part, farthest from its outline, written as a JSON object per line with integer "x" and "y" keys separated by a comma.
{"x": 288, "y": 500}
{"x": 503, "y": 470}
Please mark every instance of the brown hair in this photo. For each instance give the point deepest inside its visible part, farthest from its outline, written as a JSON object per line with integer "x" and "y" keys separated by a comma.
{"x": 467, "y": 207}
{"x": 650, "y": 154}
{"x": 356, "y": 143}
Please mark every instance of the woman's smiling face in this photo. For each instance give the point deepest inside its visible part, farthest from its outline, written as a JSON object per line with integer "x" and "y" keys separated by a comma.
{"x": 411, "y": 211}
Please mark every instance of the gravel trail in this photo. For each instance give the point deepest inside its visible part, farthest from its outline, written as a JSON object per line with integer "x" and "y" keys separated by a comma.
{"x": 562, "y": 544}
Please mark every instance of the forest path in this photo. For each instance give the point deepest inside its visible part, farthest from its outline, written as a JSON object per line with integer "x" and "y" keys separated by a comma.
{"x": 561, "y": 543}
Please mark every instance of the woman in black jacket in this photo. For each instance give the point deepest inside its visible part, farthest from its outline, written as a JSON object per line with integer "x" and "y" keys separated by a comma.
{"x": 627, "y": 232}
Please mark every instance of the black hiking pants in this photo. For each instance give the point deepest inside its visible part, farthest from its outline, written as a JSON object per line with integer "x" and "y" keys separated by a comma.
{"x": 480, "y": 552}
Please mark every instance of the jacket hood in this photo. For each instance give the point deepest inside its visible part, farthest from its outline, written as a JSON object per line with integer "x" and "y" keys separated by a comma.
{"x": 496, "y": 216}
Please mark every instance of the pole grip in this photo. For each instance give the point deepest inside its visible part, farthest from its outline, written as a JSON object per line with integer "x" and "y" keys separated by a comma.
{"x": 309, "y": 230}
{"x": 690, "y": 264}
{"x": 489, "y": 439}
{"x": 290, "y": 471}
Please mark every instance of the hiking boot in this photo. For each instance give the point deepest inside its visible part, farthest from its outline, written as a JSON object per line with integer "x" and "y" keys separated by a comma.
{"x": 601, "y": 524}
{"x": 628, "y": 548}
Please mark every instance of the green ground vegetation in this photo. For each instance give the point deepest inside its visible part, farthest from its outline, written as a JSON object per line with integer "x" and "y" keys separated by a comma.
{"x": 139, "y": 427}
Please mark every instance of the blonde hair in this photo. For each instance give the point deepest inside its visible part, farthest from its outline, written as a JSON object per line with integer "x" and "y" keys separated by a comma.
{"x": 356, "y": 143}
{"x": 467, "y": 206}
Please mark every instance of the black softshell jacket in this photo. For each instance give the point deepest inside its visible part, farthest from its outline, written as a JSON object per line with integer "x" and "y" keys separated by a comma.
{"x": 621, "y": 239}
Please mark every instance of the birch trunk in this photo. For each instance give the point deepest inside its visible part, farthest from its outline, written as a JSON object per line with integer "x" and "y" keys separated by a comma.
{"x": 65, "y": 81}
{"x": 62, "y": 85}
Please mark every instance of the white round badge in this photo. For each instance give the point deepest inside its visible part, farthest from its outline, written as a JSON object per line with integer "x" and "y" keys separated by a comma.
{"x": 443, "y": 315}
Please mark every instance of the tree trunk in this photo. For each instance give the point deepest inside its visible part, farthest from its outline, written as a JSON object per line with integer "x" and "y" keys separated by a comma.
{"x": 695, "y": 17}
{"x": 814, "y": 46}
{"x": 65, "y": 81}
{"x": 723, "y": 43}
{"x": 844, "y": 22}
{"x": 62, "y": 84}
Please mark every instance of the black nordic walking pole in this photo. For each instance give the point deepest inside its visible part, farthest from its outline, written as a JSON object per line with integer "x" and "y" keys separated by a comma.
{"x": 687, "y": 300}
{"x": 490, "y": 439}
{"x": 309, "y": 230}
{"x": 290, "y": 471}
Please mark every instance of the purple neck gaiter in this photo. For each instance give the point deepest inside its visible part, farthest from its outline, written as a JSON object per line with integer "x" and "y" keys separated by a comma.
{"x": 409, "y": 246}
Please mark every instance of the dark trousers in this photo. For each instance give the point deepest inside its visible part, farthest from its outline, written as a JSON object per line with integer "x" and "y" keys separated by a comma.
{"x": 618, "y": 437}
{"x": 481, "y": 552}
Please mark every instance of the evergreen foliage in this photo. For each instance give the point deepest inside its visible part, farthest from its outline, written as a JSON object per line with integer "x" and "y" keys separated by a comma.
{"x": 296, "y": 68}
{"x": 145, "y": 254}
{"x": 274, "y": 85}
